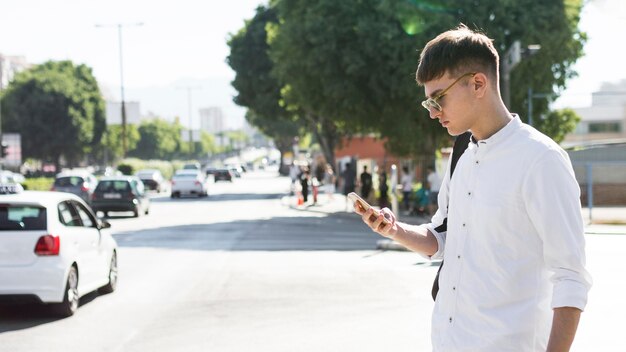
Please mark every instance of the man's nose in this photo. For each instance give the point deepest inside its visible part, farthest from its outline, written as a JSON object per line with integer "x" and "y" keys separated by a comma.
{"x": 434, "y": 113}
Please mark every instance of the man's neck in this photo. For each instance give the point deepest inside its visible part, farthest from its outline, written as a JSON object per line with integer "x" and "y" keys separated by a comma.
{"x": 493, "y": 119}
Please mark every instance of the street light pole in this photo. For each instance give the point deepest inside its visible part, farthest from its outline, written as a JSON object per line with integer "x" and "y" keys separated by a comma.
{"x": 510, "y": 59}
{"x": 189, "y": 89}
{"x": 124, "y": 122}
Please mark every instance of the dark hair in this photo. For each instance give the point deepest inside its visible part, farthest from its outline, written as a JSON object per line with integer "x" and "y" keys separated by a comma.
{"x": 457, "y": 51}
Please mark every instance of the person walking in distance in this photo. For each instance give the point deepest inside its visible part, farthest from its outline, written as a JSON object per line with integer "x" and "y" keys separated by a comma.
{"x": 509, "y": 224}
{"x": 383, "y": 188}
{"x": 348, "y": 176}
{"x": 407, "y": 188}
{"x": 366, "y": 183}
{"x": 329, "y": 182}
{"x": 434, "y": 183}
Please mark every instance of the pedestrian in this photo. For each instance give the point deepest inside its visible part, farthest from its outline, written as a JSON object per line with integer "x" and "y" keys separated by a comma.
{"x": 514, "y": 274}
{"x": 407, "y": 188}
{"x": 366, "y": 183}
{"x": 329, "y": 182}
{"x": 304, "y": 183}
{"x": 434, "y": 182}
{"x": 294, "y": 175}
{"x": 348, "y": 178}
{"x": 383, "y": 188}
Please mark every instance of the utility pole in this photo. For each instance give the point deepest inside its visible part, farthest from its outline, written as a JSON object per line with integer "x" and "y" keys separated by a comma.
{"x": 189, "y": 89}
{"x": 532, "y": 96}
{"x": 510, "y": 59}
{"x": 119, "y": 31}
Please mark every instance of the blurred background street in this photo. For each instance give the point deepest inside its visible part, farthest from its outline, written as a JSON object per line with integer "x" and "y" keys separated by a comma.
{"x": 248, "y": 269}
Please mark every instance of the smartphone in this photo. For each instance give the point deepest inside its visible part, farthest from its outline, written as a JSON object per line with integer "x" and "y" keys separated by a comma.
{"x": 357, "y": 201}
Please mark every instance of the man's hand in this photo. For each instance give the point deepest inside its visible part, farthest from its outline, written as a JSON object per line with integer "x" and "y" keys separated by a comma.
{"x": 382, "y": 222}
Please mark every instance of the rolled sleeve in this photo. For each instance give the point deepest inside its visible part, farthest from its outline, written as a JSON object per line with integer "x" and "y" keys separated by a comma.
{"x": 441, "y": 241}
{"x": 552, "y": 199}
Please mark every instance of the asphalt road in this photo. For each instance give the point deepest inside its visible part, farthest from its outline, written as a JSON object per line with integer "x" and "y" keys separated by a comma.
{"x": 242, "y": 271}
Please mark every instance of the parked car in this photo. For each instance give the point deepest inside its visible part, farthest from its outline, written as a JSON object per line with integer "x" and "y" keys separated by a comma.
{"x": 80, "y": 183}
{"x": 189, "y": 182}
{"x": 152, "y": 179}
{"x": 120, "y": 193}
{"x": 53, "y": 250}
{"x": 10, "y": 182}
{"x": 222, "y": 175}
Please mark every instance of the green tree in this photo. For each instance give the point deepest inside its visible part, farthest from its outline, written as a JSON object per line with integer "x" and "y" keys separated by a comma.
{"x": 58, "y": 109}
{"x": 558, "y": 123}
{"x": 112, "y": 140}
{"x": 257, "y": 88}
{"x": 551, "y": 24}
{"x": 159, "y": 139}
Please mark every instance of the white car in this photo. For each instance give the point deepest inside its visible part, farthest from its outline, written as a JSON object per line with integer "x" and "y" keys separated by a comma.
{"x": 189, "y": 182}
{"x": 54, "y": 249}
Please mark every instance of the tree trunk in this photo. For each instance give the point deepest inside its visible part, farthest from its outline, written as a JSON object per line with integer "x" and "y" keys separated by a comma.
{"x": 326, "y": 133}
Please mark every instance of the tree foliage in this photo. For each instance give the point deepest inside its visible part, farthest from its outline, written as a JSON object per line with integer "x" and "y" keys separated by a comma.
{"x": 345, "y": 67}
{"x": 112, "y": 140}
{"x": 159, "y": 139}
{"x": 58, "y": 109}
{"x": 257, "y": 88}
{"x": 558, "y": 123}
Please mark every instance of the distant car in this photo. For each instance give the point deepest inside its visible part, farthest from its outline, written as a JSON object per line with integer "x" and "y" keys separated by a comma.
{"x": 222, "y": 175}
{"x": 152, "y": 179}
{"x": 80, "y": 183}
{"x": 10, "y": 183}
{"x": 53, "y": 250}
{"x": 191, "y": 166}
{"x": 189, "y": 182}
{"x": 120, "y": 193}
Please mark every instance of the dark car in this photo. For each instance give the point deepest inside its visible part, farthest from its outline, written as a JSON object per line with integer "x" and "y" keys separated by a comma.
{"x": 120, "y": 193}
{"x": 152, "y": 179}
{"x": 79, "y": 183}
{"x": 222, "y": 175}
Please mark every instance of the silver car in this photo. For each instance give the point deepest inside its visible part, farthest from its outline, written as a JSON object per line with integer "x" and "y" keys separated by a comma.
{"x": 79, "y": 183}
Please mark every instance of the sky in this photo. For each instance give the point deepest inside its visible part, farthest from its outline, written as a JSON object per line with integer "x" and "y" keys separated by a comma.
{"x": 183, "y": 44}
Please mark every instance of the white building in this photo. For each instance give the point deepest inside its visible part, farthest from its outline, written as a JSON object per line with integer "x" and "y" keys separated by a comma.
{"x": 114, "y": 112}
{"x": 605, "y": 119}
{"x": 212, "y": 120}
{"x": 9, "y": 66}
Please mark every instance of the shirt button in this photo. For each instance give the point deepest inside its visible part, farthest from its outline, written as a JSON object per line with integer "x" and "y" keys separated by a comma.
{"x": 469, "y": 193}
{"x": 454, "y": 288}
{"x": 458, "y": 256}
{"x": 477, "y": 162}
{"x": 450, "y": 319}
{"x": 463, "y": 224}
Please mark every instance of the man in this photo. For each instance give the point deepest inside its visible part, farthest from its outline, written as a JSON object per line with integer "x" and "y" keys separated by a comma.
{"x": 514, "y": 277}
{"x": 366, "y": 183}
{"x": 348, "y": 177}
{"x": 434, "y": 182}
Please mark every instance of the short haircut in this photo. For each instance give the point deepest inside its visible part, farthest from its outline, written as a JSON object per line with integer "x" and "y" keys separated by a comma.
{"x": 457, "y": 52}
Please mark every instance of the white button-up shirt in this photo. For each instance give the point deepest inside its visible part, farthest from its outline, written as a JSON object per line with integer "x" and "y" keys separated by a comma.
{"x": 514, "y": 246}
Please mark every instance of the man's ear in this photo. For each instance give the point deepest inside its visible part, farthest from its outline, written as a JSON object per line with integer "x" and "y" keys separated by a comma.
{"x": 479, "y": 82}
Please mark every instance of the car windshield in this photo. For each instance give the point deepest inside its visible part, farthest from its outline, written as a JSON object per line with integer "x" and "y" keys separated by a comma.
{"x": 113, "y": 186}
{"x": 69, "y": 181}
{"x": 22, "y": 218}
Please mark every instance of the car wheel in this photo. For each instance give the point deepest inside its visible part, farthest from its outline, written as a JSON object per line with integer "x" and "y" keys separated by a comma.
{"x": 70, "y": 299}
{"x": 112, "y": 285}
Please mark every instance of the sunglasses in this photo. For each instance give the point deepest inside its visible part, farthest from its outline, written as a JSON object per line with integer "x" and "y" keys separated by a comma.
{"x": 431, "y": 103}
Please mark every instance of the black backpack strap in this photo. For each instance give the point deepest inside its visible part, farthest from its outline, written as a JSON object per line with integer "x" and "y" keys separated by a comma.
{"x": 460, "y": 144}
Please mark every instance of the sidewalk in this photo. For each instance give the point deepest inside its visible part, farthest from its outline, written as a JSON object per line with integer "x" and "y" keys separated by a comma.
{"x": 605, "y": 220}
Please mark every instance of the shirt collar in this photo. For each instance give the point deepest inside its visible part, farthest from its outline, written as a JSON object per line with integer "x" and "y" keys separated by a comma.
{"x": 500, "y": 135}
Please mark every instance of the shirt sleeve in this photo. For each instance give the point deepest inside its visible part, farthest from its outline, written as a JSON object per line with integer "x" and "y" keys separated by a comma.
{"x": 438, "y": 223}
{"x": 552, "y": 199}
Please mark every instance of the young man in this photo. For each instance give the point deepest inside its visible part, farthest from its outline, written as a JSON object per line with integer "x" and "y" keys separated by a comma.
{"x": 514, "y": 277}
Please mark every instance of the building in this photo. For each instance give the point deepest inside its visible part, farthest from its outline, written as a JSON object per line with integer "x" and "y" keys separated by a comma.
{"x": 212, "y": 120}
{"x": 605, "y": 119}
{"x": 114, "y": 112}
{"x": 9, "y": 66}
